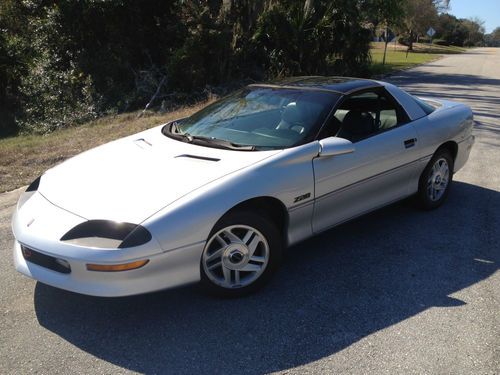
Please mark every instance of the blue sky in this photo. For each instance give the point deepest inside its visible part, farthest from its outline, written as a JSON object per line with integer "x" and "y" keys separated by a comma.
{"x": 487, "y": 10}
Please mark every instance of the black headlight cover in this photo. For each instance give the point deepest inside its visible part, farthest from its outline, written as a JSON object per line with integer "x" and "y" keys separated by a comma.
{"x": 34, "y": 185}
{"x": 107, "y": 234}
{"x": 28, "y": 193}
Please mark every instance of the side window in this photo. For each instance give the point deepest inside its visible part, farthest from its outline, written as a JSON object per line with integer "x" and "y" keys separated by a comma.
{"x": 368, "y": 113}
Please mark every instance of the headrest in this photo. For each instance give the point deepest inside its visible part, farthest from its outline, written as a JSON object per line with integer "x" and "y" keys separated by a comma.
{"x": 358, "y": 123}
{"x": 292, "y": 115}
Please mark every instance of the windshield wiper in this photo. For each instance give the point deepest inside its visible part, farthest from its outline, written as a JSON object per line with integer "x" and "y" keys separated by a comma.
{"x": 222, "y": 143}
{"x": 197, "y": 139}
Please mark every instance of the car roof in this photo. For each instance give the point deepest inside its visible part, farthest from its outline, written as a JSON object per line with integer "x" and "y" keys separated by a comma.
{"x": 342, "y": 85}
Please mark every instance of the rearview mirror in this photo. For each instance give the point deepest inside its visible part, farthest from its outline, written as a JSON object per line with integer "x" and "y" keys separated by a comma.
{"x": 332, "y": 146}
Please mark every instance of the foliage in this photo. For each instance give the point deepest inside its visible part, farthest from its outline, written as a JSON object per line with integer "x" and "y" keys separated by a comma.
{"x": 419, "y": 16}
{"x": 459, "y": 32}
{"x": 65, "y": 61}
{"x": 475, "y": 32}
{"x": 384, "y": 13}
{"x": 297, "y": 40}
{"x": 422, "y": 14}
{"x": 493, "y": 39}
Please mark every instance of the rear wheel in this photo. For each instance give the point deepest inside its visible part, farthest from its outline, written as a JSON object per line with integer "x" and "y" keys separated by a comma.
{"x": 241, "y": 254}
{"x": 435, "y": 181}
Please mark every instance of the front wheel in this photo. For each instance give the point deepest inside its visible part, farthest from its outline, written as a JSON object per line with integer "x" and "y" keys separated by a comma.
{"x": 435, "y": 181}
{"x": 240, "y": 255}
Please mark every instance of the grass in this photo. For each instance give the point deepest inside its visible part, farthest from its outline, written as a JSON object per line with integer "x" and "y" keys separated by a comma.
{"x": 398, "y": 59}
{"x": 25, "y": 157}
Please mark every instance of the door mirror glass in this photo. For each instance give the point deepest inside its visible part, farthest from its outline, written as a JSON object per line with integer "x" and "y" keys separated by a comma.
{"x": 332, "y": 146}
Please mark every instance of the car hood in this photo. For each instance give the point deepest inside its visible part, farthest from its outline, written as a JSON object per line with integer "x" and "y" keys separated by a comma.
{"x": 130, "y": 179}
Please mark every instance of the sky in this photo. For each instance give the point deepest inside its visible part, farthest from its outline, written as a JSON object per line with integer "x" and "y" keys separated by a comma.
{"x": 486, "y": 10}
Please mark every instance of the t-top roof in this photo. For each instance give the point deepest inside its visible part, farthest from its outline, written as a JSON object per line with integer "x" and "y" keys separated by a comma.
{"x": 343, "y": 85}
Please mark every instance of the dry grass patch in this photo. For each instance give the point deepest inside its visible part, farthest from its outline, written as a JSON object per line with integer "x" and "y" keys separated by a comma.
{"x": 25, "y": 157}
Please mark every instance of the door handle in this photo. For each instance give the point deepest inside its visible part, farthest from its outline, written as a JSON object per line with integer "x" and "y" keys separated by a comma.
{"x": 410, "y": 142}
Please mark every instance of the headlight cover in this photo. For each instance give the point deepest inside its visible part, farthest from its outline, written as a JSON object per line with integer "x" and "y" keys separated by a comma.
{"x": 107, "y": 234}
{"x": 29, "y": 192}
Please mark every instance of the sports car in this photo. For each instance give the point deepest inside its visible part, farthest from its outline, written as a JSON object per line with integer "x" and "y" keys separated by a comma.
{"x": 216, "y": 197}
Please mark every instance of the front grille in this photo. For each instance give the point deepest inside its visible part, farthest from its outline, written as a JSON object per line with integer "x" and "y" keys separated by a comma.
{"x": 46, "y": 261}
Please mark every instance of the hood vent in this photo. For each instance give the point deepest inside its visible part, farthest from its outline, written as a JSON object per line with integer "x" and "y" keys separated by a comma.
{"x": 142, "y": 143}
{"x": 197, "y": 157}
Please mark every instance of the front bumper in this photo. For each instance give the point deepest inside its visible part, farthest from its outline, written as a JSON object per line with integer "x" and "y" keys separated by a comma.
{"x": 38, "y": 225}
{"x": 165, "y": 270}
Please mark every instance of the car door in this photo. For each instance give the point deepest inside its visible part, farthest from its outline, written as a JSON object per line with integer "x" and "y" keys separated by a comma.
{"x": 380, "y": 169}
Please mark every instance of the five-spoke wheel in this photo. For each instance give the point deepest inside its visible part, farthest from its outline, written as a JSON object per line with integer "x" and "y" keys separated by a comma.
{"x": 236, "y": 256}
{"x": 436, "y": 179}
{"x": 240, "y": 254}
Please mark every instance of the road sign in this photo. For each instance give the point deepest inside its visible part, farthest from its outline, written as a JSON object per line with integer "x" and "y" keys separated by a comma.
{"x": 431, "y": 32}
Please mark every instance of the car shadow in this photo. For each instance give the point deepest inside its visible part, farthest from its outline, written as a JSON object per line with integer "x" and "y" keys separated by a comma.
{"x": 332, "y": 291}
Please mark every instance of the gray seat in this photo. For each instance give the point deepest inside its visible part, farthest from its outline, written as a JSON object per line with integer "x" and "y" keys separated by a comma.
{"x": 356, "y": 126}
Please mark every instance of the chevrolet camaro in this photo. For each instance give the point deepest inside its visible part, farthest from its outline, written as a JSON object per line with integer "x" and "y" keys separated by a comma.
{"x": 216, "y": 197}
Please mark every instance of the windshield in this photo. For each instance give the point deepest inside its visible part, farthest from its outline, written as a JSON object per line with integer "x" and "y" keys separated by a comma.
{"x": 258, "y": 118}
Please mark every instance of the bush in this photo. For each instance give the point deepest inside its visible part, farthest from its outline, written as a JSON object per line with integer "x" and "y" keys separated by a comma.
{"x": 404, "y": 40}
{"x": 295, "y": 41}
{"x": 68, "y": 61}
{"x": 441, "y": 42}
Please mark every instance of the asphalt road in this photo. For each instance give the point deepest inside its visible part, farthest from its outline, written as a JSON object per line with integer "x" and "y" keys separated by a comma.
{"x": 399, "y": 291}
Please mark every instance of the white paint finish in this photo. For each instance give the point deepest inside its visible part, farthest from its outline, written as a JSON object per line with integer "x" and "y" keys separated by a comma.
{"x": 283, "y": 176}
{"x": 147, "y": 178}
{"x": 365, "y": 174}
{"x": 123, "y": 182}
{"x": 177, "y": 265}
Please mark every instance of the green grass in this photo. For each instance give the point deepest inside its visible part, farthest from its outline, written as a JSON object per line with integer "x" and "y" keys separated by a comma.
{"x": 398, "y": 59}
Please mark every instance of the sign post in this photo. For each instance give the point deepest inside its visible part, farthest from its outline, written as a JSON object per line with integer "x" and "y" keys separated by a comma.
{"x": 431, "y": 33}
{"x": 387, "y": 36}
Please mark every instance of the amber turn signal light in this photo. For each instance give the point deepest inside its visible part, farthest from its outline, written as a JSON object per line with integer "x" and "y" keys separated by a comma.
{"x": 117, "y": 267}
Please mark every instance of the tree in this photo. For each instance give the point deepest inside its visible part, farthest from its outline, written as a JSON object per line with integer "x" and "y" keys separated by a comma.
{"x": 451, "y": 29}
{"x": 493, "y": 39}
{"x": 63, "y": 62}
{"x": 475, "y": 32}
{"x": 384, "y": 14}
{"x": 419, "y": 16}
{"x": 313, "y": 37}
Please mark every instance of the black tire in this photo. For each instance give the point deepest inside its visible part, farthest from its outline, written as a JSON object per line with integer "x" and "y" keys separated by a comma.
{"x": 424, "y": 195}
{"x": 268, "y": 229}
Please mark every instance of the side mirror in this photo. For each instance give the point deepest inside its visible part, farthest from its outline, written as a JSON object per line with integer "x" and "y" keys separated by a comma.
{"x": 332, "y": 146}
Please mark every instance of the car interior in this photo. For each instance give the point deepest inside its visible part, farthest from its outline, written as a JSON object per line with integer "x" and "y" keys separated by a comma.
{"x": 363, "y": 115}
{"x": 264, "y": 118}
{"x": 272, "y": 120}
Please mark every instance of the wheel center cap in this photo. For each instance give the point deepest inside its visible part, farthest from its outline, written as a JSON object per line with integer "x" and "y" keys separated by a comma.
{"x": 438, "y": 179}
{"x": 236, "y": 257}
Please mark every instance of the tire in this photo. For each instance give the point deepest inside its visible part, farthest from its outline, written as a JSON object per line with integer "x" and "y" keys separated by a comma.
{"x": 435, "y": 181}
{"x": 241, "y": 254}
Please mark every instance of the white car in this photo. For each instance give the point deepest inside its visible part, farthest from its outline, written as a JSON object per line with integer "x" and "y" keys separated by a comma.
{"x": 217, "y": 196}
